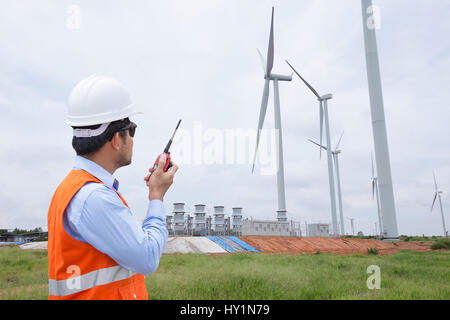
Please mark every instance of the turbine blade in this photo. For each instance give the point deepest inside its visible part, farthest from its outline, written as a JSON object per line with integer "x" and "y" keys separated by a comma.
{"x": 317, "y": 144}
{"x": 263, "y": 61}
{"x": 321, "y": 127}
{"x": 262, "y": 115}
{"x": 435, "y": 183}
{"x": 334, "y": 160}
{"x": 373, "y": 189}
{"x": 432, "y": 205}
{"x": 270, "y": 51}
{"x": 339, "y": 142}
{"x": 304, "y": 81}
{"x": 373, "y": 170}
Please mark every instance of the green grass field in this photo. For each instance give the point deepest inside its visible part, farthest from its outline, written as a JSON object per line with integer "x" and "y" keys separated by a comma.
{"x": 404, "y": 275}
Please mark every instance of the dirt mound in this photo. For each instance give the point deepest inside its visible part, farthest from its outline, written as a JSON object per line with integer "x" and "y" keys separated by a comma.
{"x": 294, "y": 245}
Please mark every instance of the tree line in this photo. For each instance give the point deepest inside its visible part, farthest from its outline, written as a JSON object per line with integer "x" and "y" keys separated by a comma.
{"x": 20, "y": 231}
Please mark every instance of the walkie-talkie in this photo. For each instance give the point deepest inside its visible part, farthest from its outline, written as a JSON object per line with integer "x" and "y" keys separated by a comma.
{"x": 167, "y": 153}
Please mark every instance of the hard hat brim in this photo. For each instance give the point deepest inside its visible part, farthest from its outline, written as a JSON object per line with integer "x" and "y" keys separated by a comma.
{"x": 97, "y": 119}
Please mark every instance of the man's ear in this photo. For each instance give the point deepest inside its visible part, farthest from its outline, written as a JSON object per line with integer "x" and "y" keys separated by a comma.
{"x": 115, "y": 141}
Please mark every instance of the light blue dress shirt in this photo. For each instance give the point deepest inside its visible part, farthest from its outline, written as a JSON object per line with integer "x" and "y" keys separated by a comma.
{"x": 97, "y": 215}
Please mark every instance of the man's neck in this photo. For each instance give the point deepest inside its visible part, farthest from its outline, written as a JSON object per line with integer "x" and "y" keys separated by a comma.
{"x": 105, "y": 164}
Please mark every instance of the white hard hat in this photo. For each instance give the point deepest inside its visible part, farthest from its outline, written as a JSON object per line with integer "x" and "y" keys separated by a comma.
{"x": 98, "y": 99}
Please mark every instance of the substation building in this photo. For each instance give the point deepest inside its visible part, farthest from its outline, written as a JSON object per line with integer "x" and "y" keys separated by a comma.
{"x": 200, "y": 223}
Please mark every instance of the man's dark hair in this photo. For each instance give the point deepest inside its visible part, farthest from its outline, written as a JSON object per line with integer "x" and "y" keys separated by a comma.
{"x": 89, "y": 145}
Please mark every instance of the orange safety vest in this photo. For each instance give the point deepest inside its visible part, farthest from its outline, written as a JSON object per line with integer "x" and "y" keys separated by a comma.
{"x": 76, "y": 270}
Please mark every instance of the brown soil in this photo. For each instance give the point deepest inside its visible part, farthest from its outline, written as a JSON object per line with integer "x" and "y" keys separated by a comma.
{"x": 294, "y": 245}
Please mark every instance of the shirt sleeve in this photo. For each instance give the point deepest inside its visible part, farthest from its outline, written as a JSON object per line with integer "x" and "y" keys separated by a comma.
{"x": 108, "y": 225}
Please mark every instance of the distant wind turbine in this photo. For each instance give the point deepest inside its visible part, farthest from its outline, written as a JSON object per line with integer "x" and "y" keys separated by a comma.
{"x": 375, "y": 193}
{"x": 437, "y": 194}
{"x": 351, "y": 222}
{"x": 323, "y": 108}
{"x": 335, "y": 155}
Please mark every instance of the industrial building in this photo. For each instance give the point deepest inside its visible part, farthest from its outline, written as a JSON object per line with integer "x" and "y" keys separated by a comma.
{"x": 219, "y": 220}
{"x": 200, "y": 220}
{"x": 179, "y": 223}
{"x": 318, "y": 230}
{"x": 222, "y": 223}
{"x": 265, "y": 228}
{"x": 237, "y": 221}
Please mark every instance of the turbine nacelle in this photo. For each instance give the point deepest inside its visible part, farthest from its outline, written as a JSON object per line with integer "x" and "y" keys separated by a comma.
{"x": 272, "y": 76}
{"x": 326, "y": 97}
{"x": 279, "y": 77}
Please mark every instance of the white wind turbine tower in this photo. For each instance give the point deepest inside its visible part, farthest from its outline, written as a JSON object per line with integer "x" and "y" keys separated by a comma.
{"x": 323, "y": 108}
{"x": 437, "y": 194}
{"x": 335, "y": 155}
{"x": 268, "y": 75}
{"x": 375, "y": 193}
{"x": 351, "y": 222}
{"x": 378, "y": 122}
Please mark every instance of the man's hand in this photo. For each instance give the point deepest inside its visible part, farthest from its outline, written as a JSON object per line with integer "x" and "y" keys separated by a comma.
{"x": 159, "y": 181}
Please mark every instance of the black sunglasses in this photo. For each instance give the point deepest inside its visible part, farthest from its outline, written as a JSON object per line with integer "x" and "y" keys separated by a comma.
{"x": 131, "y": 127}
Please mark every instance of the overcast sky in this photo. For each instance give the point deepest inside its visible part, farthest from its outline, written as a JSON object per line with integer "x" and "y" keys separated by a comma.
{"x": 197, "y": 61}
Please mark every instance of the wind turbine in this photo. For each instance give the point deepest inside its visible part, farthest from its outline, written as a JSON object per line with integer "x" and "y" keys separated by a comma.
{"x": 335, "y": 155}
{"x": 351, "y": 221}
{"x": 375, "y": 193}
{"x": 323, "y": 108}
{"x": 387, "y": 201}
{"x": 268, "y": 75}
{"x": 437, "y": 194}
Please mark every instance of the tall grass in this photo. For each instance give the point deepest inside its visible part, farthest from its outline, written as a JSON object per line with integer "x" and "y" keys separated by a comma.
{"x": 441, "y": 244}
{"x": 23, "y": 274}
{"x": 419, "y": 238}
{"x": 404, "y": 275}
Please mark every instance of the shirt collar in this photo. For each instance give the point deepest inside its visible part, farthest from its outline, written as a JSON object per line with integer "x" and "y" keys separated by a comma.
{"x": 97, "y": 171}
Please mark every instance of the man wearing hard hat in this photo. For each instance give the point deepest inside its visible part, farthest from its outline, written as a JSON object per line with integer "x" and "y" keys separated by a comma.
{"x": 96, "y": 249}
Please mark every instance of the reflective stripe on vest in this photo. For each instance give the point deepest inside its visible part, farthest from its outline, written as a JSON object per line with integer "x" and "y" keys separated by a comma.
{"x": 88, "y": 280}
